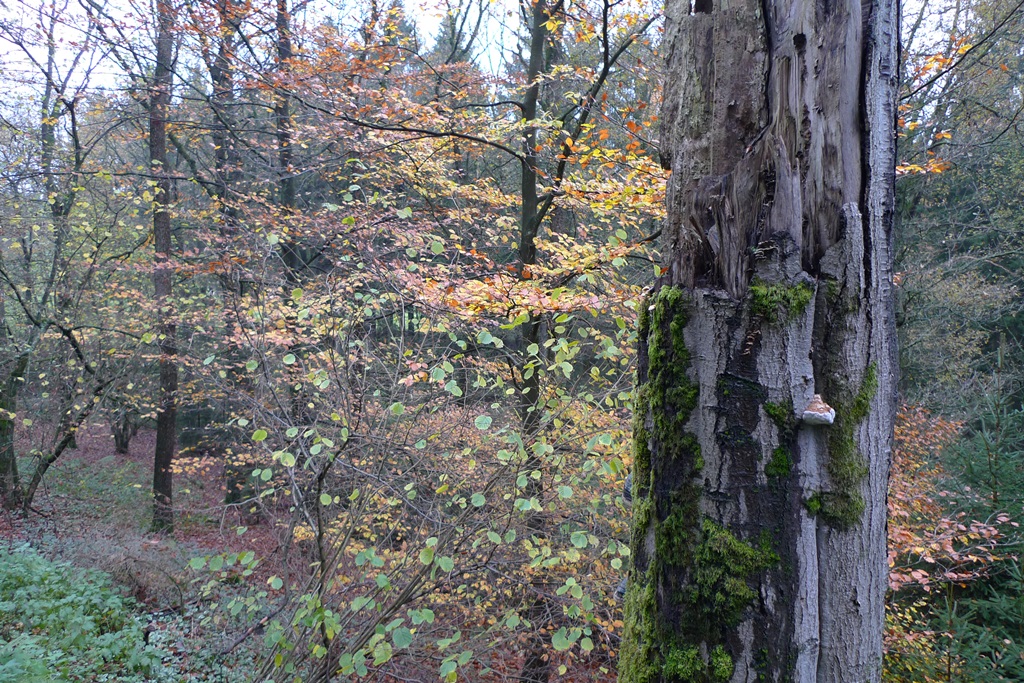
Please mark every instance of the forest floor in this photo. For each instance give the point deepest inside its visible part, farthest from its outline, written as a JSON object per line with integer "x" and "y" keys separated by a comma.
{"x": 93, "y": 511}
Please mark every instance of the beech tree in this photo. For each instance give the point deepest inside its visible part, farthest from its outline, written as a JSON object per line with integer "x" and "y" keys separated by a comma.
{"x": 759, "y": 532}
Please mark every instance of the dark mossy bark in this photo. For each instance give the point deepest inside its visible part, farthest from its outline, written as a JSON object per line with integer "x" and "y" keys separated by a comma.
{"x": 759, "y": 539}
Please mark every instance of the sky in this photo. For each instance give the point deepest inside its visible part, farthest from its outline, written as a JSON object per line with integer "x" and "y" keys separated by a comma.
{"x": 20, "y": 21}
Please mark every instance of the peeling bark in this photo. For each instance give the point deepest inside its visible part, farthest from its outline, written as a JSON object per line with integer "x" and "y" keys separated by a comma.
{"x": 759, "y": 540}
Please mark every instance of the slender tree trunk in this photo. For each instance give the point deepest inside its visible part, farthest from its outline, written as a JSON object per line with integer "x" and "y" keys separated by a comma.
{"x": 166, "y": 417}
{"x": 291, "y": 247}
{"x": 10, "y": 481}
{"x": 64, "y": 441}
{"x": 222, "y": 69}
{"x": 758, "y": 536}
{"x": 537, "y": 662}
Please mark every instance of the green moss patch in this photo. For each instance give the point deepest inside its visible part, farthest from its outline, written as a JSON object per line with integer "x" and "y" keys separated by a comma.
{"x": 843, "y": 505}
{"x": 779, "y": 302}
{"x": 781, "y": 463}
{"x": 782, "y": 415}
{"x": 723, "y": 566}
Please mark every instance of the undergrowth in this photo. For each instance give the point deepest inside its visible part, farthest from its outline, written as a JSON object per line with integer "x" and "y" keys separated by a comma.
{"x": 61, "y": 623}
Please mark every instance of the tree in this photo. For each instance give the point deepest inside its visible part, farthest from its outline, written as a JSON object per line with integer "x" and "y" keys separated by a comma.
{"x": 57, "y": 251}
{"x": 759, "y": 536}
{"x": 166, "y": 414}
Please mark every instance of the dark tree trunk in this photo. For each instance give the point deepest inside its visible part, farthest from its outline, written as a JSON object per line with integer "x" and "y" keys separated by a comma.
{"x": 166, "y": 416}
{"x": 291, "y": 246}
{"x": 537, "y": 660}
{"x": 10, "y": 481}
{"x": 758, "y": 537}
{"x": 221, "y": 65}
{"x": 124, "y": 426}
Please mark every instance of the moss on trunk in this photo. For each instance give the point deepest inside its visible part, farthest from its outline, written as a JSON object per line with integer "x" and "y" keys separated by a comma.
{"x": 691, "y": 577}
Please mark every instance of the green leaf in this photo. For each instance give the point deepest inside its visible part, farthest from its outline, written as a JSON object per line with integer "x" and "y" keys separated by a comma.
{"x": 397, "y": 409}
{"x": 478, "y": 500}
{"x": 259, "y": 435}
{"x": 275, "y": 582}
{"x": 404, "y": 213}
{"x": 564, "y": 492}
{"x": 297, "y": 294}
{"x": 325, "y": 499}
{"x": 559, "y": 641}
{"x": 287, "y": 459}
{"x": 446, "y": 564}
{"x": 289, "y": 359}
{"x": 251, "y": 365}
{"x": 427, "y": 555}
{"x": 579, "y": 539}
{"x": 483, "y": 422}
{"x": 402, "y": 637}
{"x": 436, "y": 247}
{"x": 382, "y": 652}
{"x": 420, "y": 616}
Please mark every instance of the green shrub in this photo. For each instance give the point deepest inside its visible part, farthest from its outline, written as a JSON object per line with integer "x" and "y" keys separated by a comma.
{"x": 60, "y": 623}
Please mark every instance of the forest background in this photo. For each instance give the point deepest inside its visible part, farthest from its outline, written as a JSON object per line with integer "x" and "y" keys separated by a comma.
{"x": 317, "y": 330}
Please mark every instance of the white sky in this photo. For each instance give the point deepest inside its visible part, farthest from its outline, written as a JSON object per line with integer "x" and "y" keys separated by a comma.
{"x": 21, "y": 77}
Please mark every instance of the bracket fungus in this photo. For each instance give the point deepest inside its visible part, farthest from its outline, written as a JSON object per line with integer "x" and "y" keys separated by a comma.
{"x": 818, "y": 412}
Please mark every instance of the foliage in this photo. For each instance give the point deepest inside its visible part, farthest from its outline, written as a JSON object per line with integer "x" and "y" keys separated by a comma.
{"x": 407, "y": 314}
{"x": 60, "y": 621}
{"x": 945, "y": 567}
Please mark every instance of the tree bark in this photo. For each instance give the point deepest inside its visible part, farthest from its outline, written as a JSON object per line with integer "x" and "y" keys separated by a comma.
{"x": 758, "y": 537}
{"x": 166, "y": 416}
{"x": 10, "y": 481}
{"x": 536, "y": 657}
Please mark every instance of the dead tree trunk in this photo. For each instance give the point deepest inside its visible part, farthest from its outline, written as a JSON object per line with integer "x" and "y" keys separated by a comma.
{"x": 759, "y": 536}
{"x": 166, "y": 415}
